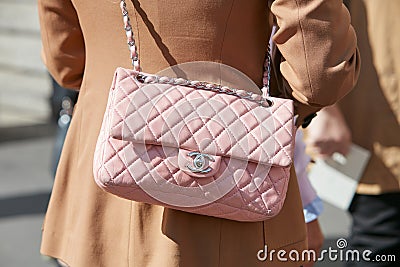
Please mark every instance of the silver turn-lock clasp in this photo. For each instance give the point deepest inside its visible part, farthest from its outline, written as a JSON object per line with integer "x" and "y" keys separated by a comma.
{"x": 200, "y": 162}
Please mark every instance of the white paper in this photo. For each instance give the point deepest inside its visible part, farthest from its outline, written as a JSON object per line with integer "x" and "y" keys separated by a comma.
{"x": 336, "y": 179}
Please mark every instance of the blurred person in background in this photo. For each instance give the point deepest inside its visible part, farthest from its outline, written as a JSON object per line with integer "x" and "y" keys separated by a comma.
{"x": 370, "y": 117}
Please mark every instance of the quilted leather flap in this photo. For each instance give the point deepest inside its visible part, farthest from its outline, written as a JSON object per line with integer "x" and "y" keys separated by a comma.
{"x": 201, "y": 121}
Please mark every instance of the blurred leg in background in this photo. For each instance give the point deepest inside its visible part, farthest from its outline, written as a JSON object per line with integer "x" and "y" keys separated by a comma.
{"x": 62, "y": 105}
{"x": 376, "y": 226}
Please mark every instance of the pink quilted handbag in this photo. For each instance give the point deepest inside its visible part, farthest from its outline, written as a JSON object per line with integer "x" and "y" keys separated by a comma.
{"x": 194, "y": 146}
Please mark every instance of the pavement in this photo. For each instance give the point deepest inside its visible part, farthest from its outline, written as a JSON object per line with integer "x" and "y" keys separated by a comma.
{"x": 24, "y": 83}
{"x": 26, "y": 142}
{"x": 26, "y": 137}
{"x": 25, "y": 189}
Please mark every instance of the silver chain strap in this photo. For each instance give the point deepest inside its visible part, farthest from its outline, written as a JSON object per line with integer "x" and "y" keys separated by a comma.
{"x": 130, "y": 37}
{"x": 267, "y": 71}
{"x": 149, "y": 79}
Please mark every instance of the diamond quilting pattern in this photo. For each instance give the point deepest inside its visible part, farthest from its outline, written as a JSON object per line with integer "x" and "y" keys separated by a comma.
{"x": 144, "y": 128}
{"x": 171, "y": 107}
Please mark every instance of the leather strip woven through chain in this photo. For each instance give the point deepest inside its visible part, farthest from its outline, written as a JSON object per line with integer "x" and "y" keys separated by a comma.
{"x": 194, "y": 146}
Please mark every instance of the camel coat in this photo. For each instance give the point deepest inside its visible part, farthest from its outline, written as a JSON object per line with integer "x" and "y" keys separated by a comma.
{"x": 372, "y": 110}
{"x": 83, "y": 43}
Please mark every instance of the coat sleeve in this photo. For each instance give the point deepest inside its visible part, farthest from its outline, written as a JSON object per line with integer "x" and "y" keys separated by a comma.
{"x": 320, "y": 61}
{"x": 63, "y": 47}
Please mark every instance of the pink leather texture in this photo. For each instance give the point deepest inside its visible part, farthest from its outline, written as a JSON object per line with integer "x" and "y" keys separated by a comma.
{"x": 194, "y": 150}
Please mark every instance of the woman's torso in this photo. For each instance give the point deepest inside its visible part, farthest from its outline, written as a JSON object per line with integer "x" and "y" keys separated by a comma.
{"x": 113, "y": 232}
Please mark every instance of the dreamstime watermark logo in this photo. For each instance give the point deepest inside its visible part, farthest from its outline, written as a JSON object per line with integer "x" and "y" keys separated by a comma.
{"x": 340, "y": 253}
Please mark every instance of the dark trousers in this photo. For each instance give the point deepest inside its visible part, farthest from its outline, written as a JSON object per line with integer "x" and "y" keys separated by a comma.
{"x": 376, "y": 227}
{"x": 62, "y": 104}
